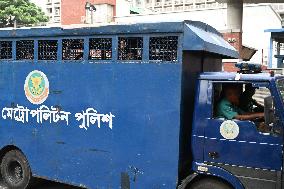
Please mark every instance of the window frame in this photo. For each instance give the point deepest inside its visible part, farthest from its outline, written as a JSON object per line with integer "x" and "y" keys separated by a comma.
{"x": 212, "y": 88}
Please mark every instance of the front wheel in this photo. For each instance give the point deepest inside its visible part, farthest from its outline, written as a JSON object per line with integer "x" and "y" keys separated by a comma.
{"x": 209, "y": 183}
{"x": 15, "y": 170}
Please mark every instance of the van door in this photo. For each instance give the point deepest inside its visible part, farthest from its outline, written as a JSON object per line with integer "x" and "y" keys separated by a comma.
{"x": 254, "y": 156}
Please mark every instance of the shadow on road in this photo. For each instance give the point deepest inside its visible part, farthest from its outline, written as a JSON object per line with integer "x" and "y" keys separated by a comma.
{"x": 45, "y": 184}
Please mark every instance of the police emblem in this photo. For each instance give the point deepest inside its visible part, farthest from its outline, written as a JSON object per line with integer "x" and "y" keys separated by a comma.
{"x": 229, "y": 130}
{"x": 36, "y": 87}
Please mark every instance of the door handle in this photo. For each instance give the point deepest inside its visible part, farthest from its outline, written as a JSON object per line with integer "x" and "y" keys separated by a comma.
{"x": 213, "y": 155}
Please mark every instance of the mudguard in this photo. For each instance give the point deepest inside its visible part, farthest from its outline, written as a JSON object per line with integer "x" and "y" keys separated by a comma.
{"x": 205, "y": 169}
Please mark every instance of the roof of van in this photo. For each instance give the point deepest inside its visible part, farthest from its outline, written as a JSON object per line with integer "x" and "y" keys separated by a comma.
{"x": 231, "y": 76}
{"x": 197, "y": 36}
{"x": 137, "y": 28}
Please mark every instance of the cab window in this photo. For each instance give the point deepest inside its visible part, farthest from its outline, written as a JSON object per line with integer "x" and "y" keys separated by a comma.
{"x": 241, "y": 101}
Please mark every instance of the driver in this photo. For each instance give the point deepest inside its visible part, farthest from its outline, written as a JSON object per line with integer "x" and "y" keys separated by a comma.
{"x": 247, "y": 103}
{"x": 228, "y": 107}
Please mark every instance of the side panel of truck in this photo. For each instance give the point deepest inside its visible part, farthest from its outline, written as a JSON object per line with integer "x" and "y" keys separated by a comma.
{"x": 143, "y": 142}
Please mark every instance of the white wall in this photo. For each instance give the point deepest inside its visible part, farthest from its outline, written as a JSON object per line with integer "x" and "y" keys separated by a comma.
{"x": 214, "y": 17}
{"x": 40, "y": 3}
{"x": 103, "y": 13}
{"x": 257, "y": 18}
{"x": 123, "y": 8}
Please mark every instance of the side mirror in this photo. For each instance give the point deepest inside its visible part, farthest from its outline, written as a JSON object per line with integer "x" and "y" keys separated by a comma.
{"x": 268, "y": 110}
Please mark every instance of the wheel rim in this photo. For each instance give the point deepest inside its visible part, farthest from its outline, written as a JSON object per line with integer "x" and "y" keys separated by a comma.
{"x": 15, "y": 172}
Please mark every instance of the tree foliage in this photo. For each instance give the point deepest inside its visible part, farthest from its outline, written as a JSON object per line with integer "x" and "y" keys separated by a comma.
{"x": 23, "y": 11}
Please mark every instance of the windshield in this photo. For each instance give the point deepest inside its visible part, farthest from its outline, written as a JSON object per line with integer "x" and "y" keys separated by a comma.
{"x": 280, "y": 87}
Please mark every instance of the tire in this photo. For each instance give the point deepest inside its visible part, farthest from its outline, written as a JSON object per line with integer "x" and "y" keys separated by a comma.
{"x": 209, "y": 183}
{"x": 15, "y": 170}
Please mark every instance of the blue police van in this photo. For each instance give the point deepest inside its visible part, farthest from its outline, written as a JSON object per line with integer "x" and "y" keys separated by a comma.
{"x": 132, "y": 106}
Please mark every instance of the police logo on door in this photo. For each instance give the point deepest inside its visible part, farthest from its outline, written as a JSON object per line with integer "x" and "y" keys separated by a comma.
{"x": 36, "y": 87}
{"x": 229, "y": 130}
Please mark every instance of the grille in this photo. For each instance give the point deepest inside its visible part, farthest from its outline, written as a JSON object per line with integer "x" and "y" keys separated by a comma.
{"x": 72, "y": 49}
{"x": 47, "y": 50}
{"x": 163, "y": 48}
{"x": 130, "y": 48}
{"x": 5, "y": 50}
{"x": 100, "y": 49}
{"x": 25, "y": 50}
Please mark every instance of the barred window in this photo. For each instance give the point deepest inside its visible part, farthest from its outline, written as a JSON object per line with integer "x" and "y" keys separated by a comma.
{"x": 47, "y": 49}
{"x": 72, "y": 49}
{"x": 25, "y": 50}
{"x": 163, "y": 48}
{"x": 130, "y": 48}
{"x": 5, "y": 50}
{"x": 100, "y": 49}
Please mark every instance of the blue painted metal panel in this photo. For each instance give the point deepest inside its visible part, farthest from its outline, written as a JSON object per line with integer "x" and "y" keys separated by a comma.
{"x": 230, "y": 76}
{"x": 37, "y": 141}
{"x": 145, "y": 98}
{"x": 170, "y": 27}
{"x": 201, "y": 111}
{"x": 250, "y": 146}
{"x": 198, "y": 39}
{"x": 280, "y": 30}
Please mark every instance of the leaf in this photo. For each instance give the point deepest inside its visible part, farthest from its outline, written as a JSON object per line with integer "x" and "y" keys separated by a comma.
{"x": 23, "y": 11}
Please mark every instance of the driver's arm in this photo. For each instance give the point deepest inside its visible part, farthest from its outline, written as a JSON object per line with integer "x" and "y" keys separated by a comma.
{"x": 250, "y": 116}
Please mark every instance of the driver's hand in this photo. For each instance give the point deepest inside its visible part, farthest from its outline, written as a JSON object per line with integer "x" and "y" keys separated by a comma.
{"x": 260, "y": 115}
{"x": 263, "y": 128}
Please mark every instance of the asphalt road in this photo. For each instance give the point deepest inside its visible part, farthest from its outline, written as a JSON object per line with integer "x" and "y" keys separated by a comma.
{"x": 43, "y": 184}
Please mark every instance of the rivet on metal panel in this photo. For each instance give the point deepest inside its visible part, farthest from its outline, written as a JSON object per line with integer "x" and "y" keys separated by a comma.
{"x": 35, "y": 131}
{"x": 60, "y": 142}
{"x": 97, "y": 150}
{"x": 13, "y": 105}
{"x": 56, "y": 92}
